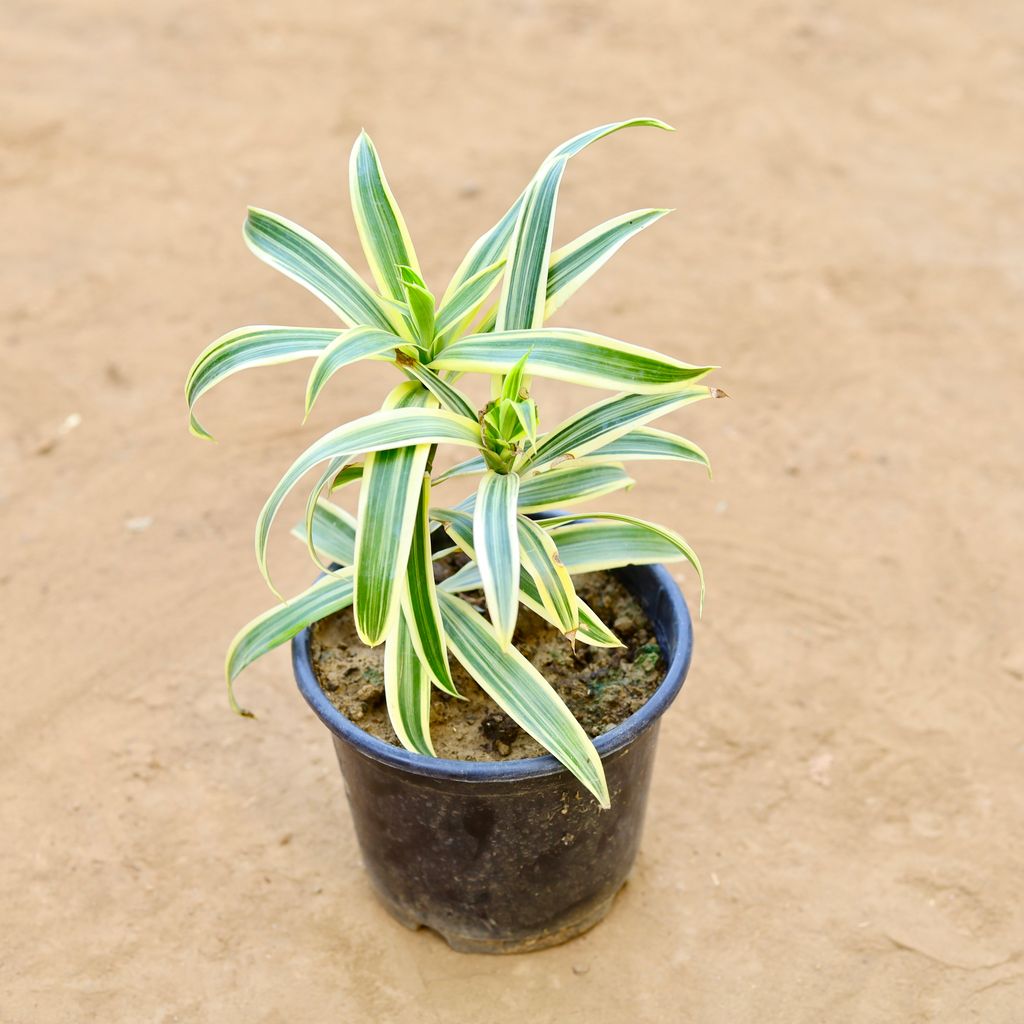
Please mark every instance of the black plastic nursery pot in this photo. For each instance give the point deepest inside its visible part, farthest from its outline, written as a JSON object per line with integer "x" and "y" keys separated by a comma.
{"x": 509, "y": 856}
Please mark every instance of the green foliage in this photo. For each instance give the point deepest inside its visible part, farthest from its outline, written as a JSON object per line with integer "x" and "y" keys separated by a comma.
{"x": 384, "y": 552}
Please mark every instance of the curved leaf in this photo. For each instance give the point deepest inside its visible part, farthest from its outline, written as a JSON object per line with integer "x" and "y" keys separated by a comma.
{"x": 332, "y": 532}
{"x": 570, "y": 485}
{"x": 573, "y": 356}
{"x": 574, "y": 264}
{"x": 249, "y": 347}
{"x": 608, "y": 541}
{"x": 271, "y": 629}
{"x": 491, "y": 246}
{"x": 303, "y": 257}
{"x": 650, "y": 443}
{"x": 390, "y": 428}
{"x": 355, "y": 344}
{"x": 477, "y": 464}
{"x": 522, "y": 693}
{"x": 600, "y": 424}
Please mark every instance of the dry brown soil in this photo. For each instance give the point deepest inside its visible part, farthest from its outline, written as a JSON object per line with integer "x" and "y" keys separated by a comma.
{"x": 601, "y": 686}
{"x": 837, "y": 820}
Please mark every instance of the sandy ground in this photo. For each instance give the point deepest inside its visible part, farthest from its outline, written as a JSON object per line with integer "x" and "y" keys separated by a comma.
{"x": 837, "y": 821}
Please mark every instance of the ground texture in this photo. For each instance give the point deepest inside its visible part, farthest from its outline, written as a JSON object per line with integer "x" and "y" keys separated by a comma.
{"x": 837, "y": 820}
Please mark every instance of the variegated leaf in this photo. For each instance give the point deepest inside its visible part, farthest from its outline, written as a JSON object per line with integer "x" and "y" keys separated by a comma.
{"x": 303, "y": 257}
{"x": 447, "y": 394}
{"x": 606, "y": 540}
{"x": 591, "y": 631}
{"x": 407, "y": 690}
{"x": 554, "y": 585}
{"x": 571, "y": 484}
{"x": 355, "y": 344}
{"x": 650, "y": 443}
{"x": 271, "y": 629}
{"x": 492, "y": 245}
{"x": 522, "y": 693}
{"x": 381, "y": 228}
{"x": 600, "y": 424}
{"x": 574, "y": 264}
{"x": 496, "y": 543}
{"x": 573, "y": 356}
{"x": 332, "y": 532}
{"x": 246, "y": 348}
{"x": 466, "y": 301}
{"x": 521, "y": 305}
{"x": 388, "y": 501}
{"x": 392, "y": 428}
{"x": 419, "y": 600}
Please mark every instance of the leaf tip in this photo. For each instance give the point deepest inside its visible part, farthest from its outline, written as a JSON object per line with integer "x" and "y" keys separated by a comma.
{"x": 232, "y": 700}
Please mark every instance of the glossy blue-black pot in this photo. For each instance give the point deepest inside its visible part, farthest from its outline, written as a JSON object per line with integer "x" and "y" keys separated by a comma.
{"x": 505, "y": 856}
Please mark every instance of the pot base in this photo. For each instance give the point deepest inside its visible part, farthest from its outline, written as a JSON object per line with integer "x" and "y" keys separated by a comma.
{"x": 474, "y": 944}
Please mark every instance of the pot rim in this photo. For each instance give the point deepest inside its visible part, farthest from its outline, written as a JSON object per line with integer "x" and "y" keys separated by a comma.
{"x": 672, "y": 609}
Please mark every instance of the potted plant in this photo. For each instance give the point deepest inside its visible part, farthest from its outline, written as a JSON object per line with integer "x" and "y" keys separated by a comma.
{"x": 507, "y": 853}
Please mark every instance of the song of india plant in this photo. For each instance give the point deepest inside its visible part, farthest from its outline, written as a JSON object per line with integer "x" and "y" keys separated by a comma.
{"x": 490, "y": 319}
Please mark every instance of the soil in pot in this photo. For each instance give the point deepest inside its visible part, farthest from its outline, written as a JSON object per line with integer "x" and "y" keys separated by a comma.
{"x": 601, "y": 686}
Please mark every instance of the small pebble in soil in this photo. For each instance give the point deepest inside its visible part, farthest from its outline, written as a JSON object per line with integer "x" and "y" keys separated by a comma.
{"x": 501, "y": 730}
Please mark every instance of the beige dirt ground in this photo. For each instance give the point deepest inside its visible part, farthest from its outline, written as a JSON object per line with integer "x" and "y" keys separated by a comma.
{"x": 837, "y": 820}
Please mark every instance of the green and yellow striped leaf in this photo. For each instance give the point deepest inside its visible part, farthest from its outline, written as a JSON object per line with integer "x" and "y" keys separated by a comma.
{"x": 246, "y": 348}
{"x": 571, "y": 484}
{"x": 271, "y": 629}
{"x": 304, "y": 258}
{"x": 492, "y": 245}
{"x": 382, "y": 230}
{"x": 592, "y": 630}
{"x": 496, "y": 543}
{"x": 447, "y": 394}
{"x": 574, "y": 264}
{"x": 346, "y": 476}
{"x": 584, "y": 139}
{"x": 573, "y": 356}
{"x": 608, "y": 541}
{"x": 390, "y": 428}
{"x": 564, "y": 486}
{"x": 466, "y": 301}
{"x": 332, "y": 532}
{"x": 458, "y": 524}
{"x": 554, "y": 585}
{"x": 521, "y": 305}
{"x": 650, "y": 443}
{"x": 355, "y": 344}
{"x": 407, "y": 690}
{"x": 388, "y": 500}
{"x": 419, "y": 600}
{"x": 522, "y": 693}
{"x": 477, "y": 464}
{"x": 335, "y": 468}
{"x": 600, "y": 424}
